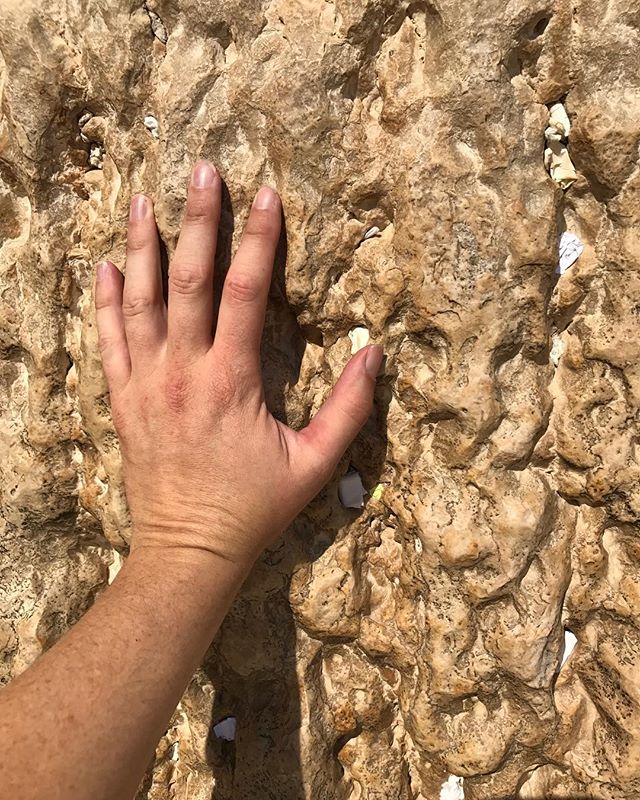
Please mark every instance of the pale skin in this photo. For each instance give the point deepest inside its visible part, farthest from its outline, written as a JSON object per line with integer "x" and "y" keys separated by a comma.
{"x": 211, "y": 480}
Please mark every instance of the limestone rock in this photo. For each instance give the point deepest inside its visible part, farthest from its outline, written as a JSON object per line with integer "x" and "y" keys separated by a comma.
{"x": 417, "y": 643}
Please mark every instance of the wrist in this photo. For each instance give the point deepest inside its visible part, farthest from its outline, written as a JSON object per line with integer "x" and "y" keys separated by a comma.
{"x": 187, "y": 567}
{"x": 196, "y": 548}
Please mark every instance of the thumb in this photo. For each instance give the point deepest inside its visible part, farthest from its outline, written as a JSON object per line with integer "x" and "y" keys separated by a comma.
{"x": 342, "y": 415}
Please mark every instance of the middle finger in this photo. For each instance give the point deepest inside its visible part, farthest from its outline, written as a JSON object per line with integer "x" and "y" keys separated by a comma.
{"x": 190, "y": 304}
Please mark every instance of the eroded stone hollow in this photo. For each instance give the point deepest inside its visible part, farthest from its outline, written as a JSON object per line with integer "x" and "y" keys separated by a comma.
{"x": 414, "y": 649}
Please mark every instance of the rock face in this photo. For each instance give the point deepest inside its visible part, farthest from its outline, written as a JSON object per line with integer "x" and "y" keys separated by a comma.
{"x": 392, "y": 652}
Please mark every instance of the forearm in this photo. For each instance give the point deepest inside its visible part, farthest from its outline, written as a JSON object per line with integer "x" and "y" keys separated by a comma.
{"x": 83, "y": 722}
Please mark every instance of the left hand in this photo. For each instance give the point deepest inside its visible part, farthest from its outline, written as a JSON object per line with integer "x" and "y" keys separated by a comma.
{"x": 206, "y": 466}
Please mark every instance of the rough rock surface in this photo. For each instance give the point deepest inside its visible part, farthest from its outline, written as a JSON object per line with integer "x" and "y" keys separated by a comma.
{"x": 372, "y": 654}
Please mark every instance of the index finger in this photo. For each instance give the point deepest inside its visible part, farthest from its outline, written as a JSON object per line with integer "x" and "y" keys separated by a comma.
{"x": 246, "y": 287}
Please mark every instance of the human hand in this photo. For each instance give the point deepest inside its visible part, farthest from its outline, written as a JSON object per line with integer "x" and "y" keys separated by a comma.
{"x": 206, "y": 466}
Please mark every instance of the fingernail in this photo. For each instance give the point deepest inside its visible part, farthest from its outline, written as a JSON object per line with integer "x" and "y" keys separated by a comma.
{"x": 372, "y": 360}
{"x": 102, "y": 270}
{"x": 138, "y": 207}
{"x": 266, "y": 198}
{"x": 203, "y": 175}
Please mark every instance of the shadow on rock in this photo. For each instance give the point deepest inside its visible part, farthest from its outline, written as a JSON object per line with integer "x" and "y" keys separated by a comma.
{"x": 252, "y": 663}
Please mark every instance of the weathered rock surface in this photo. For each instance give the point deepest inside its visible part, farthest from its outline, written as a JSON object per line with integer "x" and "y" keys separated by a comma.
{"x": 373, "y": 654}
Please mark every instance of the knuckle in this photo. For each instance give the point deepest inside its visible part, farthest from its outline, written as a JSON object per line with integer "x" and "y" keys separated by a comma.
{"x": 224, "y": 389}
{"x": 186, "y": 279}
{"x": 260, "y": 224}
{"x": 199, "y": 207}
{"x": 241, "y": 289}
{"x": 137, "y": 239}
{"x": 103, "y": 300}
{"x": 177, "y": 389}
{"x": 136, "y": 305}
{"x": 106, "y": 344}
{"x": 225, "y": 386}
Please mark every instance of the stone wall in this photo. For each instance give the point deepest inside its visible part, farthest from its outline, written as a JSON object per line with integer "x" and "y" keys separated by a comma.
{"x": 414, "y": 649}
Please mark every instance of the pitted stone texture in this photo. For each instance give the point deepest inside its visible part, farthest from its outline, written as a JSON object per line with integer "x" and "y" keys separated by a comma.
{"x": 373, "y": 654}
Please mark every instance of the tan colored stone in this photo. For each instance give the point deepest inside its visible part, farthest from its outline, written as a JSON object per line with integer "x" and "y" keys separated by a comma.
{"x": 373, "y": 654}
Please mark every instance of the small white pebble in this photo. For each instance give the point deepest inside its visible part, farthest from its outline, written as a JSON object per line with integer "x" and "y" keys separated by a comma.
{"x": 570, "y": 642}
{"x": 359, "y": 338}
{"x": 96, "y": 155}
{"x": 157, "y": 26}
{"x": 557, "y": 350}
{"x": 351, "y": 491}
{"x": 452, "y": 788}
{"x": 151, "y": 124}
{"x": 418, "y": 544}
{"x": 226, "y": 729}
{"x": 570, "y": 249}
{"x": 374, "y": 231}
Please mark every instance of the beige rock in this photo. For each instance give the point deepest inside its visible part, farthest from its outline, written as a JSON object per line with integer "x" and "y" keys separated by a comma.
{"x": 371, "y": 654}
